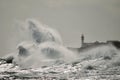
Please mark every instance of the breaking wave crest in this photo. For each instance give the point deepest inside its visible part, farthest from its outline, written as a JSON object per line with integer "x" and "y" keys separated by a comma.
{"x": 41, "y": 33}
{"x": 45, "y": 48}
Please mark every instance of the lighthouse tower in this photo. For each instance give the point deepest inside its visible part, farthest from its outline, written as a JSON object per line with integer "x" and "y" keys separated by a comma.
{"x": 82, "y": 40}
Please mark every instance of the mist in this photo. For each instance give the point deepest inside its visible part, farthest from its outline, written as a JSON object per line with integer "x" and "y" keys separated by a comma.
{"x": 43, "y": 47}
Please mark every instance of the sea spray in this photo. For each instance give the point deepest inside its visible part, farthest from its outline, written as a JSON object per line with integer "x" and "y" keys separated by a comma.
{"x": 44, "y": 49}
{"x": 99, "y": 52}
{"x": 44, "y": 54}
{"x": 53, "y": 50}
{"x": 42, "y": 33}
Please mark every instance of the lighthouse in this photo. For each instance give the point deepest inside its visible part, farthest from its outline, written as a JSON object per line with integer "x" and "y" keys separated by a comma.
{"x": 82, "y": 40}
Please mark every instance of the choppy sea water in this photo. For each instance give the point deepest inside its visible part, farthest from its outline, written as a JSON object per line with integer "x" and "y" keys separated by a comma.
{"x": 74, "y": 71}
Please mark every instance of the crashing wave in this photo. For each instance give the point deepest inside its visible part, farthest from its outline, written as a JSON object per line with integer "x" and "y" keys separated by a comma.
{"x": 41, "y": 33}
{"x": 45, "y": 48}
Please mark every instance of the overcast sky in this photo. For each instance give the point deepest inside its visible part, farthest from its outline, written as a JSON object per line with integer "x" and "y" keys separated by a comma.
{"x": 96, "y": 19}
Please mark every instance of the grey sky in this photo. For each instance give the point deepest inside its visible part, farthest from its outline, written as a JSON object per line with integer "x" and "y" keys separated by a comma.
{"x": 96, "y": 19}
